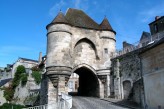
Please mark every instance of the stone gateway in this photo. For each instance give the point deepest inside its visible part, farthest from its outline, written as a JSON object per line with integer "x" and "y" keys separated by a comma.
{"x": 77, "y": 44}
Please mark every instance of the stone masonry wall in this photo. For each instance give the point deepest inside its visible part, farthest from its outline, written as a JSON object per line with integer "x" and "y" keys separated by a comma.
{"x": 126, "y": 73}
{"x": 22, "y": 92}
{"x": 69, "y": 47}
{"x": 64, "y": 43}
{"x": 153, "y": 76}
{"x": 2, "y": 100}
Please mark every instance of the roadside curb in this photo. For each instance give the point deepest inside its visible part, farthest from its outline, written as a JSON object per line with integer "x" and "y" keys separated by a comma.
{"x": 120, "y": 104}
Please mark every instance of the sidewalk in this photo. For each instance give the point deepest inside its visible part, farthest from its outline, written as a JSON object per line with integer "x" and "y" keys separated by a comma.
{"x": 124, "y": 103}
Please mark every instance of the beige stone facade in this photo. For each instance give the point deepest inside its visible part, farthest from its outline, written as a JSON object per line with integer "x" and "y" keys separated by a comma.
{"x": 153, "y": 75}
{"x": 27, "y": 63}
{"x": 84, "y": 49}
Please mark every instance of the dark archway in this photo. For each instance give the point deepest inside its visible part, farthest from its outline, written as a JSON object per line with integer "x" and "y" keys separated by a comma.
{"x": 88, "y": 82}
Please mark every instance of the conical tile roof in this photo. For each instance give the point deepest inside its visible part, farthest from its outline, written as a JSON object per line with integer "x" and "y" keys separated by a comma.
{"x": 60, "y": 18}
{"x": 105, "y": 25}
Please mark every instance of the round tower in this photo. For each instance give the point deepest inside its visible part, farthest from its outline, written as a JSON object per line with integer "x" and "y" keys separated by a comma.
{"x": 107, "y": 35}
{"x": 58, "y": 63}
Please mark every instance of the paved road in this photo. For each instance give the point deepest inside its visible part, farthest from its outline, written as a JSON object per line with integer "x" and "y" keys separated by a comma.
{"x": 93, "y": 103}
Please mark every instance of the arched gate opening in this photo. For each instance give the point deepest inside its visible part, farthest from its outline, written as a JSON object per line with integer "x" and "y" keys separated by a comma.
{"x": 88, "y": 82}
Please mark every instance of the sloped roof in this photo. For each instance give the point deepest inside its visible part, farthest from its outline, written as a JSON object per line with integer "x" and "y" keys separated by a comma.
{"x": 3, "y": 82}
{"x": 60, "y": 18}
{"x": 153, "y": 45}
{"x": 78, "y": 18}
{"x": 162, "y": 17}
{"x": 105, "y": 25}
{"x": 25, "y": 59}
{"x": 125, "y": 44}
{"x": 145, "y": 35}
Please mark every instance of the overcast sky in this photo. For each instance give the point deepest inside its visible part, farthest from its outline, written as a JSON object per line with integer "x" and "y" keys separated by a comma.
{"x": 23, "y": 22}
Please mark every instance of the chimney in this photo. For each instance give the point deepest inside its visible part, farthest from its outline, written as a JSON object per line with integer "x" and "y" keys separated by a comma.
{"x": 157, "y": 17}
{"x": 40, "y": 57}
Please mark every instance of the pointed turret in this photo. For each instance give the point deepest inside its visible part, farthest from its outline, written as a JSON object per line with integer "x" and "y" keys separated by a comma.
{"x": 60, "y": 18}
{"x": 105, "y": 25}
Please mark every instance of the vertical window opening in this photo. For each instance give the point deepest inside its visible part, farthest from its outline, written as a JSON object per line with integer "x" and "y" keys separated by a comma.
{"x": 156, "y": 28}
{"x": 106, "y": 50}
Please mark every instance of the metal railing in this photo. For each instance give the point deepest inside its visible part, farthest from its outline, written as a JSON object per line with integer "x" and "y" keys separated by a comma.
{"x": 65, "y": 102}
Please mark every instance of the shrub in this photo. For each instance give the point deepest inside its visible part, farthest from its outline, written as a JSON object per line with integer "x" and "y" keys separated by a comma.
{"x": 24, "y": 79}
{"x": 8, "y": 93}
{"x": 20, "y": 75}
{"x": 15, "y": 82}
{"x": 19, "y": 71}
{"x": 37, "y": 76}
{"x": 11, "y": 106}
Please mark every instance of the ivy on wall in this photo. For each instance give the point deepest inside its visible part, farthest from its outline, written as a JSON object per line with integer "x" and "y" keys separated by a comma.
{"x": 24, "y": 78}
{"x": 8, "y": 93}
{"x": 20, "y": 76}
{"x": 36, "y": 74}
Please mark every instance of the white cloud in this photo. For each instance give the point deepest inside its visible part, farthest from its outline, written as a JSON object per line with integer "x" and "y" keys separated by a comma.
{"x": 64, "y": 4}
{"x": 57, "y": 7}
{"x": 92, "y": 8}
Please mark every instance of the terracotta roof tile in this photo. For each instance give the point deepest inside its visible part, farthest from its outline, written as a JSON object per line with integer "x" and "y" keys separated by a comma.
{"x": 80, "y": 19}
{"x": 105, "y": 25}
{"x": 60, "y": 18}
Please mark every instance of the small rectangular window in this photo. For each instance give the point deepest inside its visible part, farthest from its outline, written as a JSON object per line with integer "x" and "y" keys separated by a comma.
{"x": 106, "y": 50}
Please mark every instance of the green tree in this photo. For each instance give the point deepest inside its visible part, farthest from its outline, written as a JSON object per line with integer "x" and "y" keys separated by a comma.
{"x": 20, "y": 69}
{"x": 18, "y": 75}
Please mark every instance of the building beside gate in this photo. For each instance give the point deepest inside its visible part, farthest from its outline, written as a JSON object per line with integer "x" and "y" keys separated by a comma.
{"x": 152, "y": 60}
{"x": 137, "y": 68}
